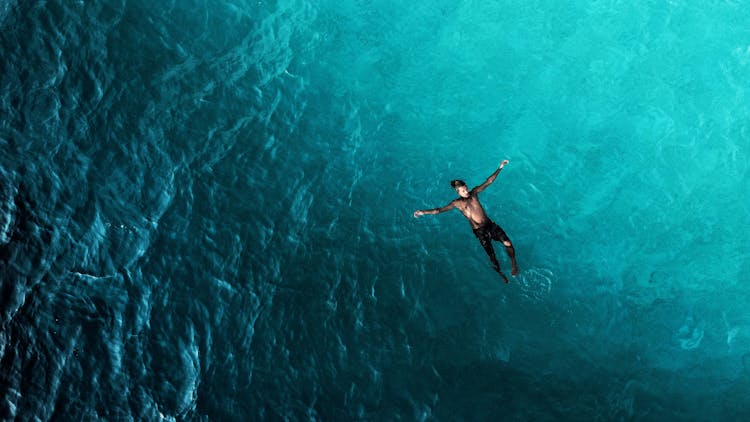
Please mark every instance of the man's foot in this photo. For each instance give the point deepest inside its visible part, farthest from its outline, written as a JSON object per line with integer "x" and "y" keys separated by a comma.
{"x": 496, "y": 266}
{"x": 514, "y": 271}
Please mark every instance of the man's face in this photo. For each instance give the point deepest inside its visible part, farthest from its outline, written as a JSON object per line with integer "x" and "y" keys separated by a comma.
{"x": 462, "y": 191}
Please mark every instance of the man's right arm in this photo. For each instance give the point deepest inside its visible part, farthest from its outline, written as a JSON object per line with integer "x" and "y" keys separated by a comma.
{"x": 448, "y": 207}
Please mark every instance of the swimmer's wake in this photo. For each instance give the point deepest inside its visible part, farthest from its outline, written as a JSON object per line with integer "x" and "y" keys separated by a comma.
{"x": 535, "y": 283}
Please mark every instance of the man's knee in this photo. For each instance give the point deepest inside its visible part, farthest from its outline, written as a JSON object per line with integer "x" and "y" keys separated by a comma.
{"x": 507, "y": 244}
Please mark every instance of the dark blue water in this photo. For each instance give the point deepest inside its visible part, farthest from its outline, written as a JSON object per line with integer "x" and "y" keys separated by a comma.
{"x": 206, "y": 210}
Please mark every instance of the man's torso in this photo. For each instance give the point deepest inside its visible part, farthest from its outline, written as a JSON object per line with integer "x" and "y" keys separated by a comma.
{"x": 472, "y": 210}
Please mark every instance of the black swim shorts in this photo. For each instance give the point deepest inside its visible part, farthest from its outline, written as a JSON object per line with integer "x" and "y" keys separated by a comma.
{"x": 490, "y": 231}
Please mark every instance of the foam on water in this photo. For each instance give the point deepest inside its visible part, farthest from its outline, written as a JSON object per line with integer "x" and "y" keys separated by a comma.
{"x": 535, "y": 283}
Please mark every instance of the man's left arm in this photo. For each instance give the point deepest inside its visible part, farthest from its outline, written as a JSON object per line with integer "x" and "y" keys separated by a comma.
{"x": 490, "y": 179}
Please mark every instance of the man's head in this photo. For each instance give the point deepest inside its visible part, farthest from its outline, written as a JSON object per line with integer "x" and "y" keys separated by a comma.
{"x": 461, "y": 189}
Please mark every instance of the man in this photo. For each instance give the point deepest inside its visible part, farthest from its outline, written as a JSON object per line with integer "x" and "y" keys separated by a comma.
{"x": 484, "y": 229}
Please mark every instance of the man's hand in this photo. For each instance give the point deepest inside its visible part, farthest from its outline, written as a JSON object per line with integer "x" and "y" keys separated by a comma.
{"x": 417, "y": 213}
{"x": 504, "y": 163}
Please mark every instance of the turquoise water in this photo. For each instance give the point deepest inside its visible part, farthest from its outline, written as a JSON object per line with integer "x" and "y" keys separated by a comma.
{"x": 206, "y": 210}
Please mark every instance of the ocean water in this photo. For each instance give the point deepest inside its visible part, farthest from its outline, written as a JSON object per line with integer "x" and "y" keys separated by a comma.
{"x": 206, "y": 210}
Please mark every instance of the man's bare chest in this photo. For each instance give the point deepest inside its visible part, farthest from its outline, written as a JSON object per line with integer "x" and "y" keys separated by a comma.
{"x": 469, "y": 205}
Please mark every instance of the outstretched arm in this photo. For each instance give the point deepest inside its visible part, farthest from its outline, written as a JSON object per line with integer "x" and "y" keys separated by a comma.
{"x": 490, "y": 179}
{"x": 448, "y": 207}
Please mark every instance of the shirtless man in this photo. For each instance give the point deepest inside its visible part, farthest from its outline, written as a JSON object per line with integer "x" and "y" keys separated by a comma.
{"x": 484, "y": 229}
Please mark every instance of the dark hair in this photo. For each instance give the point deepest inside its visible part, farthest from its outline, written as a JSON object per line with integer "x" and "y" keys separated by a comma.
{"x": 457, "y": 183}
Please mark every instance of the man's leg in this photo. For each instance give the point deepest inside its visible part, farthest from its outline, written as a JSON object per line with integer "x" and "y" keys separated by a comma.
{"x": 487, "y": 245}
{"x": 499, "y": 234}
{"x": 512, "y": 255}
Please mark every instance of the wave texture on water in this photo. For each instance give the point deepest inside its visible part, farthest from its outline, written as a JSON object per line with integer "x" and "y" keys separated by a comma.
{"x": 206, "y": 210}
